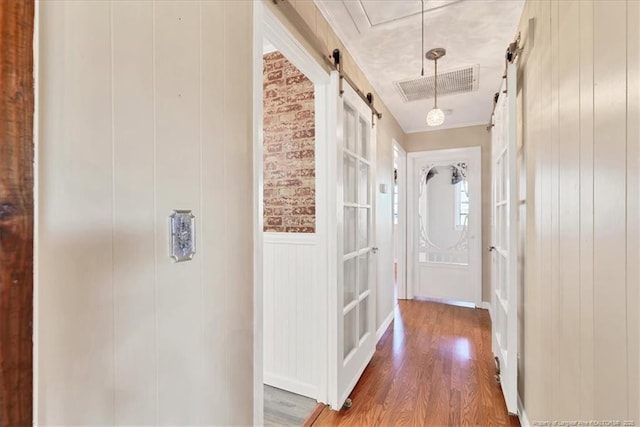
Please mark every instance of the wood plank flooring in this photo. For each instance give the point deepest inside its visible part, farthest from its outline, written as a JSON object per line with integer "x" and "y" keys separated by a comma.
{"x": 432, "y": 367}
{"x": 282, "y": 408}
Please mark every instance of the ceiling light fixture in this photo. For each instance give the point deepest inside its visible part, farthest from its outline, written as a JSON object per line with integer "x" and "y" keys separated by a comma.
{"x": 435, "y": 117}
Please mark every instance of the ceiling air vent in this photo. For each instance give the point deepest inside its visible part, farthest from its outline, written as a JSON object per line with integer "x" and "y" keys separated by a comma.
{"x": 451, "y": 82}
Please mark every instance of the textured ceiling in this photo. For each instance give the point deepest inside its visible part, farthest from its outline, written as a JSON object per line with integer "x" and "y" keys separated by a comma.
{"x": 384, "y": 39}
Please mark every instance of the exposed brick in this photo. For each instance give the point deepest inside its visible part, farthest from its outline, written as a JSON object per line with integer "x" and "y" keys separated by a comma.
{"x": 273, "y": 148}
{"x": 300, "y": 230}
{"x": 305, "y": 191}
{"x": 310, "y": 210}
{"x": 296, "y": 79}
{"x": 274, "y": 75}
{"x": 289, "y": 147}
{"x": 289, "y": 221}
{"x": 304, "y": 133}
{"x": 273, "y": 220}
{"x": 304, "y": 114}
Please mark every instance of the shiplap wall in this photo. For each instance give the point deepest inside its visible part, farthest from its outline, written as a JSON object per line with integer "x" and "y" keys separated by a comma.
{"x": 578, "y": 101}
{"x": 291, "y": 312}
{"x": 144, "y": 107}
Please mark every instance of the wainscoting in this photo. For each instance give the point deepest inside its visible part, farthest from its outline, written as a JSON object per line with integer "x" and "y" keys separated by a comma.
{"x": 291, "y": 312}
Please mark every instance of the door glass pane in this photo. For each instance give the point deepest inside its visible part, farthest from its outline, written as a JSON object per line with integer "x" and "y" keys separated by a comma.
{"x": 349, "y": 337}
{"x": 363, "y": 228}
{"x": 349, "y": 230}
{"x": 363, "y": 314}
{"x": 443, "y": 211}
{"x": 349, "y": 280}
{"x": 364, "y": 138}
{"x": 363, "y": 273}
{"x": 349, "y": 178}
{"x": 349, "y": 128}
{"x": 363, "y": 184}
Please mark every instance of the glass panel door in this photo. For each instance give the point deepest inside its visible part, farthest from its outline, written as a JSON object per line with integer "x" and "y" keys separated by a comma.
{"x": 356, "y": 279}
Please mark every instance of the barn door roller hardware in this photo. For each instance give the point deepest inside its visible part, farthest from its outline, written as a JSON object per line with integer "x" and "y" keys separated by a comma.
{"x": 332, "y": 60}
{"x": 513, "y": 51}
{"x": 368, "y": 98}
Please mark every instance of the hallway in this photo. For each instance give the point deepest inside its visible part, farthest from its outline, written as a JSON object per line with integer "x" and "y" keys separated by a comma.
{"x": 432, "y": 367}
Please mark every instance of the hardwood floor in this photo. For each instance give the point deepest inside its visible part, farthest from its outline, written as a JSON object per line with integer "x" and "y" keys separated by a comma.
{"x": 432, "y": 367}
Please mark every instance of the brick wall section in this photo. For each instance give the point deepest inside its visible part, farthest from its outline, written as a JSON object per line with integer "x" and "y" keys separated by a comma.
{"x": 289, "y": 143}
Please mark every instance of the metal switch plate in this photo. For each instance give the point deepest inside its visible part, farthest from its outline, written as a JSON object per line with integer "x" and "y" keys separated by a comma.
{"x": 182, "y": 232}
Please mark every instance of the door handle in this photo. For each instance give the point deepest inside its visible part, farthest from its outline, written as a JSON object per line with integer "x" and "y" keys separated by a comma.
{"x": 374, "y": 250}
{"x": 492, "y": 248}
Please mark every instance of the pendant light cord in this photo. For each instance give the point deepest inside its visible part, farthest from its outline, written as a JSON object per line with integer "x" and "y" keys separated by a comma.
{"x": 422, "y": 53}
{"x": 435, "y": 85}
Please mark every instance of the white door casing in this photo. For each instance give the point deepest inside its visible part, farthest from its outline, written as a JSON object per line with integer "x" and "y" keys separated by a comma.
{"x": 504, "y": 297}
{"x": 445, "y": 249}
{"x": 354, "y": 299}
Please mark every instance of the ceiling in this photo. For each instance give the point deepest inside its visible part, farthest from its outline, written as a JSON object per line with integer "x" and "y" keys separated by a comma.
{"x": 384, "y": 38}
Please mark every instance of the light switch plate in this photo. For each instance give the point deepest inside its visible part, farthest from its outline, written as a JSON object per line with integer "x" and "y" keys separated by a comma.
{"x": 182, "y": 235}
{"x": 383, "y": 188}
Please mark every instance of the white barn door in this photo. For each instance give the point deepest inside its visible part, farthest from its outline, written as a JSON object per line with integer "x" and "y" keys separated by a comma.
{"x": 504, "y": 298}
{"x": 355, "y": 299}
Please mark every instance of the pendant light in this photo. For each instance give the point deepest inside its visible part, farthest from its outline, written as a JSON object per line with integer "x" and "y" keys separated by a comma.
{"x": 435, "y": 117}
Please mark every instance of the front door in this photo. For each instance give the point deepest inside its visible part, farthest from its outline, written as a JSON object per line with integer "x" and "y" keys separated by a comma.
{"x": 356, "y": 258}
{"x": 446, "y": 203}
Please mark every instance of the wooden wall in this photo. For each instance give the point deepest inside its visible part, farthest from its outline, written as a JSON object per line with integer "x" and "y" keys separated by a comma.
{"x": 145, "y": 107}
{"x": 578, "y": 97}
{"x": 16, "y": 212}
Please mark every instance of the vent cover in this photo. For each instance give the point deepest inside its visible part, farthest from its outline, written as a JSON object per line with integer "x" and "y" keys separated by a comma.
{"x": 451, "y": 82}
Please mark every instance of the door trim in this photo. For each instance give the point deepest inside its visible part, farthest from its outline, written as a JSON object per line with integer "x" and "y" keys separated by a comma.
{"x": 17, "y": 24}
{"x": 268, "y": 23}
{"x": 402, "y": 221}
{"x": 473, "y": 152}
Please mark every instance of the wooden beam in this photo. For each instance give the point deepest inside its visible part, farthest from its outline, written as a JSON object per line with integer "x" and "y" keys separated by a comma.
{"x": 16, "y": 212}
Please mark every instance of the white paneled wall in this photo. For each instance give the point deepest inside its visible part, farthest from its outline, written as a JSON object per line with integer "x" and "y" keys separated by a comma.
{"x": 292, "y": 347}
{"x": 144, "y": 107}
{"x": 579, "y": 98}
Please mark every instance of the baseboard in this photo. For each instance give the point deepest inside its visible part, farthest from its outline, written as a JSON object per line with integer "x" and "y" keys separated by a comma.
{"x": 291, "y": 385}
{"x": 522, "y": 414}
{"x": 383, "y": 328}
{"x": 485, "y": 305}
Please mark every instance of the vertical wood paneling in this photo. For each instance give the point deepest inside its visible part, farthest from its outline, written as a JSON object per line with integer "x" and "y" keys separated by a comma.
{"x": 610, "y": 356}
{"x": 136, "y": 121}
{"x": 75, "y": 229}
{"x": 134, "y": 276}
{"x": 568, "y": 143}
{"x": 553, "y": 211}
{"x": 212, "y": 228}
{"x": 291, "y": 313}
{"x": 633, "y": 209}
{"x": 238, "y": 70}
{"x": 586, "y": 160}
{"x": 177, "y": 92}
{"x": 580, "y": 124}
{"x": 544, "y": 38}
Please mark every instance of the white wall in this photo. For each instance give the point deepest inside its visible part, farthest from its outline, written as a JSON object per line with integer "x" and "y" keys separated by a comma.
{"x": 144, "y": 107}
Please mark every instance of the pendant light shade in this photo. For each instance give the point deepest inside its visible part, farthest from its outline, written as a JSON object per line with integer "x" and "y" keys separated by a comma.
{"x": 435, "y": 117}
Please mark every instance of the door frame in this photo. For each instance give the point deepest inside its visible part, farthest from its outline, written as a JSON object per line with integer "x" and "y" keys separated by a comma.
{"x": 472, "y": 152}
{"x": 268, "y": 23}
{"x": 17, "y": 24}
{"x": 402, "y": 221}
